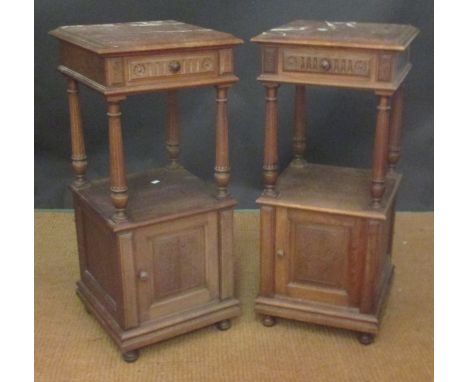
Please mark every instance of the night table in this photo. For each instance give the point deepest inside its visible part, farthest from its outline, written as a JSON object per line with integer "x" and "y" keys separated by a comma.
{"x": 326, "y": 231}
{"x": 155, "y": 248}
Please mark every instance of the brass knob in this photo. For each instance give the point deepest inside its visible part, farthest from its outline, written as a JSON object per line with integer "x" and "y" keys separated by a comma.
{"x": 325, "y": 64}
{"x": 280, "y": 253}
{"x": 174, "y": 66}
{"x": 143, "y": 275}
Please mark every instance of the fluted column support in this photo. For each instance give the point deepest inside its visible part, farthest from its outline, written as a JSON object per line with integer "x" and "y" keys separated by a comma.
{"x": 78, "y": 151}
{"x": 172, "y": 130}
{"x": 299, "y": 136}
{"x": 270, "y": 153}
{"x": 396, "y": 117}
{"x": 118, "y": 179}
{"x": 379, "y": 162}
{"x": 222, "y": 168}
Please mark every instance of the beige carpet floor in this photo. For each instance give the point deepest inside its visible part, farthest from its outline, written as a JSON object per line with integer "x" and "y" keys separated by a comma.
{"x": 71, "y": 346}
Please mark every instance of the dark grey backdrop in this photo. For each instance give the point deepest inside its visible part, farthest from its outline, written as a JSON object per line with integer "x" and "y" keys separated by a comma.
{"x": 341, "y": 123}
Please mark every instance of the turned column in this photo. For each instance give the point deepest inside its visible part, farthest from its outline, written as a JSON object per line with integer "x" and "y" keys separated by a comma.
{"x": 118, "y": 181}
{"x": 270, "y": 154}
{"x": 172, "y": 129}
{"x": 222, "y": 169}
{"x": 379, "y": 163}
{"x": 299, "y": 136}
{"x": 394, "y": 147}
{"x": 78, "y": 152}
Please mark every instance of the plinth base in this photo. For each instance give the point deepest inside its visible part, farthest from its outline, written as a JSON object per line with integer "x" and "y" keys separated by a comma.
{"x": 158, "y": 330}
{"x": 323, "y": 314}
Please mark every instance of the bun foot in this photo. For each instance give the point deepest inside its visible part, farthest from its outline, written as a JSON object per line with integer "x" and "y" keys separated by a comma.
{"x": 131, "y": 356}
{"x": 268, "y": 321}
{"x": 223, "y": 325}
{"x": 365, "y": 338}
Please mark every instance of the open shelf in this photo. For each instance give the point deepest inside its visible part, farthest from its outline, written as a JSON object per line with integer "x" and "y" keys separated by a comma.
{"x": 155, "y": 195}
{"x": 339, "y": 190}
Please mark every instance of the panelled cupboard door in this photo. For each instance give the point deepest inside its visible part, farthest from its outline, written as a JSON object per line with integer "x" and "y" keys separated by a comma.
{"x": 177, "y": 265}
{"x": 318, "y": 256}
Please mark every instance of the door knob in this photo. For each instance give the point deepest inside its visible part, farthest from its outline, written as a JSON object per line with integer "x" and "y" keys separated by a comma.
{"x": 280, "y": 253}
{"x": 143, "y": 275}
{"x": 174, "y": 66}
{"x": 325, "y": 64}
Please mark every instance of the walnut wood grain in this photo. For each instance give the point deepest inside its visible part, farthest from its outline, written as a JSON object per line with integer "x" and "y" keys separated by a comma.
{"x": 396, "y": 118}
{"x": 78, "y": 152}
{"x": 299, "y": 135}
{"x": 222, "y": 168}
{"x": 270, "y": 151}
{"x": 172, "y": 129}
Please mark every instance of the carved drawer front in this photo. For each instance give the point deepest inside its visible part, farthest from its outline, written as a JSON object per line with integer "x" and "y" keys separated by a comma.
{"x": 176, "y": 265}
{"x": 165, "y": 67}
{"x": 318, "y": 257}
{"x": 327, "y": 62}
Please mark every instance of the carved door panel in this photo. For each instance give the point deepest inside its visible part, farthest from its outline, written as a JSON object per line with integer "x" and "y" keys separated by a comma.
{"x": 177, "y": 265}
{"x": 318, "y": 256}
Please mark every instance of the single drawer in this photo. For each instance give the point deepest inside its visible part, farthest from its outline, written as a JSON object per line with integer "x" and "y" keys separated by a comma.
{"x": 174, "y": 66}
{"x": 327, "y": 62}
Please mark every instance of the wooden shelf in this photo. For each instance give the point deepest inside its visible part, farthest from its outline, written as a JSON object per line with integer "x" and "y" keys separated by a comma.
{"x": 338, "y": 190}
{"x": 154, "y": 195}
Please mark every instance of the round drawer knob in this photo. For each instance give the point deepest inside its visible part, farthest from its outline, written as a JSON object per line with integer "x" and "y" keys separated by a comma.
{"x": 174, "y": 66}
{"x": 325, "y": 64}
{"x": 143, "y": 275}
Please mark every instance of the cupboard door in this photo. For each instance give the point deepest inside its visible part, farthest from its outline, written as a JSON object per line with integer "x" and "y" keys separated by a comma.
{"x": 318, "y": 256}
{"x": 177, "y": 265}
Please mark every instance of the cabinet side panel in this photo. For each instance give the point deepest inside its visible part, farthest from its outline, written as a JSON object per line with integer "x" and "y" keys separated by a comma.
{"x": 80, "y": 235}
{"x": 384, "y": 266}
{"x": 391, "y": 229}
{"x": 101, "y": 268}
{"x": 357, "y": 260}
{"x": 267, "y": 249}
{"x": 370, "y": 266}
{"x": 225, "y": 232}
